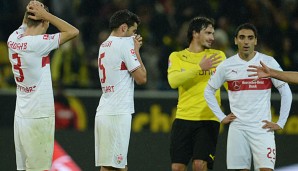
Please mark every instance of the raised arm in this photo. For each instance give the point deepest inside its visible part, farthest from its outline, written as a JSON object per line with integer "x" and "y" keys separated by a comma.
{"x": 264, "y": 71}
{"x": 139, "y": 75}
{"x": 67, "y": 30}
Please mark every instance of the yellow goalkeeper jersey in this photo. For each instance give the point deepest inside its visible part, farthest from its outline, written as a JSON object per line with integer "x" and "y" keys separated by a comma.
{"x": 185, "y": 74}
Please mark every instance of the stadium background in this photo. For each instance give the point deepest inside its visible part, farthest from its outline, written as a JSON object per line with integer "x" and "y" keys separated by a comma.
{"x": 163, "y": 27}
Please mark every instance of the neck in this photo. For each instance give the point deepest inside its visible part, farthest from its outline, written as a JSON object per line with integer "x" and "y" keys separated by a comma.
{"x": 117, "y": 33}
{"x": 195, "y": 48}
{"x": 247, "y": 57}
{"x": 31, "y": 31}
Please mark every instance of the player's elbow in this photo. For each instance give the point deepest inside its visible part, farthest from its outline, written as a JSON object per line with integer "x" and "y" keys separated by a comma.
{"x": 172, "y": 83}
{"x": 141, "y": 81}
{"x": 74, "y": 33}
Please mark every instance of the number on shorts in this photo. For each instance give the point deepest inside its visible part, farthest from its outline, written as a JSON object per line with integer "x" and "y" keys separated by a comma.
{"x": 271, "y": 153}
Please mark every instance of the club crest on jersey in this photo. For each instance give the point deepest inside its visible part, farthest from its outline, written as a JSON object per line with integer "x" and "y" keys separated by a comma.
{"x": 119, "y": 158}
{"x": 45, "y": 37}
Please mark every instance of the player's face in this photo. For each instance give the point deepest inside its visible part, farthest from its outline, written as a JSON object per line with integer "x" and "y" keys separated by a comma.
{"x": 246, "y": 42}
{"x": 131, "y": 30}
{"x": 206, "y": 37}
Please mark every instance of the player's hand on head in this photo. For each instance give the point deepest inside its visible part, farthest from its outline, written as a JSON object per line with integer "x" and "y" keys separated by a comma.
{"x": 208, "y": 63}
{"x": 229, "y": 118}
{"x": 36, "y": 10}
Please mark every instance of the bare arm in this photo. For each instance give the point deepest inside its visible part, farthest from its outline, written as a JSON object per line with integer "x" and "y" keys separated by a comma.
{"x": 67, "y": 30}
{"x": 287, "y": 76}
{"x": 264, "y": 71}
{"x": 140, "y": 74}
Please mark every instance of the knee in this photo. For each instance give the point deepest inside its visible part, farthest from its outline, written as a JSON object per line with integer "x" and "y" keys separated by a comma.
{"x": 265, "y": 169}
{"x": 178, "y": 167}
{"x": 199, "y": 165}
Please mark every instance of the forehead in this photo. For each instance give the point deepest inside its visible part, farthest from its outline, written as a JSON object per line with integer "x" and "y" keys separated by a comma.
{"x": 246, "y": 32}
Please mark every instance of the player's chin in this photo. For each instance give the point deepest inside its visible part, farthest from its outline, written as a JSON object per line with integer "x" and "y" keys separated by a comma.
{"x": 207, "y": 46}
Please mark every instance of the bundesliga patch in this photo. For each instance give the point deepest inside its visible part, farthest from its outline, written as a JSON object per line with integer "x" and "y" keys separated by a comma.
{"x": 119, "y": 158}
{"x": 132, "y": 51}
{"x": 169, "y": 63}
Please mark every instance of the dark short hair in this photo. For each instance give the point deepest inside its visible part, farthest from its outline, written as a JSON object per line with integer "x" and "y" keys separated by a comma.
{"x": 123, "y": 17}
{"x": 31, "y": 22}
{"x": 247, "y": 26}
{"x": 197, "y": 24}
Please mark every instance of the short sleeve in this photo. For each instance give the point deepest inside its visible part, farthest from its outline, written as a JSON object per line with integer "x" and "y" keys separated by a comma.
{"x": 47, "y": 42}
{"x": 129, "y": 56}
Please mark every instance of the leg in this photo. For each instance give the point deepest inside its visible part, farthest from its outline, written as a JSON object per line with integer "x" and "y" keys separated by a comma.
{"x": 264, "y": 150}
{"x": 108, "y": 168}
{"x": 205, "y": 140}
{"x": 199, "y": 165}
{"x": 112, "y": 135}
{"x": 266, "y": 169}
{"x": 178, "y": 167}
{"x": 181, "y": 145}
{"x": 238, "y": 150}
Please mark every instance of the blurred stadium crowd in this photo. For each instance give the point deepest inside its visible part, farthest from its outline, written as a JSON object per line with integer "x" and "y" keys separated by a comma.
{"x": 163, "y": 27}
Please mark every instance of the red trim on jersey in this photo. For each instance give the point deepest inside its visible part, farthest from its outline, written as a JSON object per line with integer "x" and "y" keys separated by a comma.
{"x": 123, "y": 66}
{"x": 45, "y": 61}
{"x": 249, "y": 84}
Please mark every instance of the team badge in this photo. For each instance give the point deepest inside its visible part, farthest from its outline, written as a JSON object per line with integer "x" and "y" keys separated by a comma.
{"x": 119, "y": 158}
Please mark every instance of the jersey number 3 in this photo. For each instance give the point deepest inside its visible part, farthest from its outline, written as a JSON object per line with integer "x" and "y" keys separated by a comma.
{"x": 18, "y": 67}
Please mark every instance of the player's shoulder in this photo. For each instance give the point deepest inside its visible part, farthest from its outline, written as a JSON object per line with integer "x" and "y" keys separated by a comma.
{"x": 229, "y": 61}
{"x": 216, "y": 51}
{"x": 263, "y": 56}
{"x": 177, "y": 54}
{"x": 121, "y": 40}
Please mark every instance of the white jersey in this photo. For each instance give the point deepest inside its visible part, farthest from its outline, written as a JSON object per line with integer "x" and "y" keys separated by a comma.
{"x": 29, "y": 57}
{"x": 116, "y": 61}
{"x": 249, "y": 98}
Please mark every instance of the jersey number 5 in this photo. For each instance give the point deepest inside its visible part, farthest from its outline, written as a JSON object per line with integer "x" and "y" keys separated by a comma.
{"x": 102, "y": 68}
{"x": 18, "y": 67}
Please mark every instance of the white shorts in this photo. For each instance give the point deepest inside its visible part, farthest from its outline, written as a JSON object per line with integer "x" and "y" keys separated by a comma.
{"x": 242, "y": 145}
{"x": 112, "y": 134}
{"x": 34, "y": 143}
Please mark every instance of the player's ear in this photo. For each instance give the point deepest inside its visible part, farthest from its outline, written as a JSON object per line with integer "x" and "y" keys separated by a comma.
{"x": 124, "y": 27}
{"x": 235, "y": 41}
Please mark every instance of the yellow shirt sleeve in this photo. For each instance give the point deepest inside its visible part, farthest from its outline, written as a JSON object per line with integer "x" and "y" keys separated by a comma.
{"x": 176, "y": 77}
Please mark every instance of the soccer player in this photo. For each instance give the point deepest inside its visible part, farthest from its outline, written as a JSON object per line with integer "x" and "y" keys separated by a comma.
{"x": 251, "y": 131}
{"x": 119, "y": 65}
{"x": 29, "y": 49}
{"x": 264, "y": 71}
{"x": 195, "y": 129}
